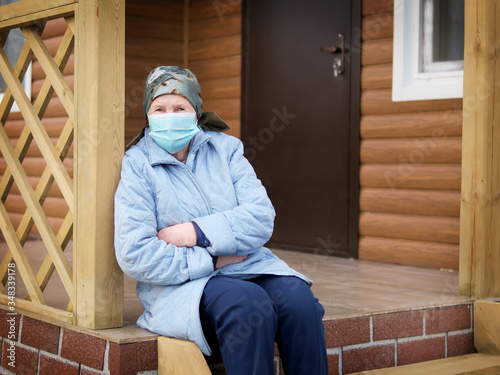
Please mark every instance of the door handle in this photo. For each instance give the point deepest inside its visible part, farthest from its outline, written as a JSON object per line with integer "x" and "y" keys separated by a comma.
{"x": 330, "y": 49}
{"x": 338, "y": 62}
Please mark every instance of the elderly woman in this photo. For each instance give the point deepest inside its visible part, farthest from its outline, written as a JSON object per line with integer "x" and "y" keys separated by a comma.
{"x": 191, "y": 219}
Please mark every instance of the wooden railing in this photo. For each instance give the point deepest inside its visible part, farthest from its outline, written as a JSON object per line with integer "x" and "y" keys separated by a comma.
{"x": 94, "y": 127}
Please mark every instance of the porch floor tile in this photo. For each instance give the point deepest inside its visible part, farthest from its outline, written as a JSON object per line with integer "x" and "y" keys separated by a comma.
{"x": 348, "y": 287}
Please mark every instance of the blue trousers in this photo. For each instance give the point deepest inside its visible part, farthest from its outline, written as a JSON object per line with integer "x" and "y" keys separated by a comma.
{"x": 248, "y": 316}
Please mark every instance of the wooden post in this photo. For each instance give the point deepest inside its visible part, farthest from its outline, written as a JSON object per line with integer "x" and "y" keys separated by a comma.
{"x": 99, "y": 146}
{"x": 479, "y": 275}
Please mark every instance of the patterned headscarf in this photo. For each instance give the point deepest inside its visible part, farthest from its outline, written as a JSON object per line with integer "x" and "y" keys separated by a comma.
{"x": 172, "y": 80}
{"x": 179, "y": 81}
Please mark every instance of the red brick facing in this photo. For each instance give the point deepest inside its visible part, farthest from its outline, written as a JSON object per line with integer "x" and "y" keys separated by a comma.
{"x": 368, "y": 358}
{"x": 130, "y": 358}
{"x": 420, "y": 350}
{"x": 397, "y": 325}
{"x": 460, "y": 344}
{"x": 445, "y": 319}
{"x": 81, "y": 348}
{"x": 348, "y": 331}
{"x": 7, "y": 328}
{"x": 147, "y": 355}
{"x": 51, "y": 366}
{"x": 26, "y": 361}
{"x": 40, "y": 335}
{"x": 88, "y": 371}
{"x": 333, "y": 364}
{"x": 448, "y": 323}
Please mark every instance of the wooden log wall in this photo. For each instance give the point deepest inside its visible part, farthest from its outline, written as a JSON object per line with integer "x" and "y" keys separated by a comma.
{"x": 410, "y": 161}
{"x": 214, "y": 53}
{"x": 202, "y": 35}
{"x": 154, "y": 35}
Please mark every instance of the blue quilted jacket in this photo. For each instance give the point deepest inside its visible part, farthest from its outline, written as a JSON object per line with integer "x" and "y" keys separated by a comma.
{"x": 218, "y": 189}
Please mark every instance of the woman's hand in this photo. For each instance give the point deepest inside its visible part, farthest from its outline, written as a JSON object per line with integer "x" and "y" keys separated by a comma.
{"x": 185, "y": 235}
{"x": 226, "y": 260}
{"x": 179, "y": 235}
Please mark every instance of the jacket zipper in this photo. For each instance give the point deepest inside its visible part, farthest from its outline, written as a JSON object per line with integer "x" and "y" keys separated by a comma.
{"x": 195, "y": 181}
{"x": 193, "y": 177}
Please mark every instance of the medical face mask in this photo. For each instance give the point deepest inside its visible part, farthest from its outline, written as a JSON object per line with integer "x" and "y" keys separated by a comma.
{"x": 173, "y": 131}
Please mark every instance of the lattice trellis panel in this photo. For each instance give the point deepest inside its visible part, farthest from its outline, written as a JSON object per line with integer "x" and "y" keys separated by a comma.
{"x": 54, "y": 171}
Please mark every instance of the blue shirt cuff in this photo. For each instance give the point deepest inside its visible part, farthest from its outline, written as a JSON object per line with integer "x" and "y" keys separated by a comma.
{"x": 201, "y": 239}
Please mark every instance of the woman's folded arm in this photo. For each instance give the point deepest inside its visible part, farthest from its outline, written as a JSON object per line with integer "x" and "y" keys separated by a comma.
{"x": 139, "y": 252}
{"x": 247, "y": 227}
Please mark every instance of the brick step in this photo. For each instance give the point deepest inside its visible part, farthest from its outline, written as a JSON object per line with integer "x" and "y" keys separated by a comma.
{"x": 354, "y": 343}
{"x": 476, "y": 364}
{"x": 486, "y": 341}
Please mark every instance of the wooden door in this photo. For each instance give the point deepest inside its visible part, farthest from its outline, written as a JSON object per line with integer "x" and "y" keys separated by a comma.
{"x": 300, "y": 123}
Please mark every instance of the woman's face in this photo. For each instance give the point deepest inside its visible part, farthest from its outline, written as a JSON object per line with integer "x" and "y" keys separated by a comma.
{"x": 170, "y": 103}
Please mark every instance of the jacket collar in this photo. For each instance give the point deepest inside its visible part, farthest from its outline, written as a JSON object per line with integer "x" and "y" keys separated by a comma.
{"x": 157, "y": 155}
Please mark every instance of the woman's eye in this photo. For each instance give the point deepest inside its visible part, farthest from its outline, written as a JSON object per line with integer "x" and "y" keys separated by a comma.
{"x": 180, "y": 109}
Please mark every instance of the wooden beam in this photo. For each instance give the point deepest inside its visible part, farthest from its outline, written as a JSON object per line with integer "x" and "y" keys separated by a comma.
{"x": 469, "y": 364}
{"x": 20, "y": 258}
{"x": 28, "y": 12}
{"x": 27, "y": 7}
{"x": 410, "y": 227}
{"x": 51, "y": 69}
{"x": 24, "y": 143}
{"x": 44, "y": 310}
{"x": 410, "y": 252}
{"x": 99, "y": 147}
{"x": 410, "y": 201}
{"x": 41, "y": 192}
{"x": 487, "y": 326}
{"x": 180, "y": 357}
{"x": 424, "y": 176}
{"x": 35, "y": 125}
{"x": 480, "y": 208}
{"x": 19, "y": 174}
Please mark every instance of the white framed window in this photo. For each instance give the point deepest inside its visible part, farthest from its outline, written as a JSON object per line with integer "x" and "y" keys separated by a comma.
{"x": 428, "y": 49}
{"x": 12, "y": 48}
